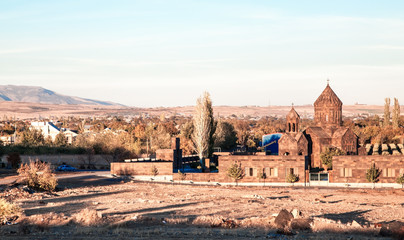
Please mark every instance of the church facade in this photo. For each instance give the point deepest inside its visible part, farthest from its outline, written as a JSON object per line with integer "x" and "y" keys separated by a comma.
{"x": 327, "y": 132}
{"x": 299, "y": 153}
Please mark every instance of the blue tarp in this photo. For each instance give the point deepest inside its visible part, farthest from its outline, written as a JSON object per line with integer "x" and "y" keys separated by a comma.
{"x": 270, "y": 142}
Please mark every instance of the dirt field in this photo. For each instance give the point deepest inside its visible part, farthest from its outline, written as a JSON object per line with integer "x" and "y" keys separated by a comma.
{"x": 23, "y": 110}
{"x": 97, "y": 207}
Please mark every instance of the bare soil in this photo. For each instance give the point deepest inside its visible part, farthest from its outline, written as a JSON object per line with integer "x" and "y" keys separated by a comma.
{"x": 96, "y": 207}
{"x": 23, "y": 110}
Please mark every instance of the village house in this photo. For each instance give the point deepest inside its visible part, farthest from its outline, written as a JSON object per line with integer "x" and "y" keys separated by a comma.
{"x": 49, "y": 130}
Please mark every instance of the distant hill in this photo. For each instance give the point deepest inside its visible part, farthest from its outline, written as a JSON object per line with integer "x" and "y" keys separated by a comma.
{"x": 30, "y": 94}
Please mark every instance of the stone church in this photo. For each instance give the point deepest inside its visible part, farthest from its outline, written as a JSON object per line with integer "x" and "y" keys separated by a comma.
{"x": 326, "y": 132}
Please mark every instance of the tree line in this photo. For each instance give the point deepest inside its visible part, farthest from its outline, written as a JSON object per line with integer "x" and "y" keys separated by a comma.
{"x": 199, "y": 134}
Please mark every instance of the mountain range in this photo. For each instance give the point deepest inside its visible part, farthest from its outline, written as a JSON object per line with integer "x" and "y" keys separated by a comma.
{"x": 32, "y": 94}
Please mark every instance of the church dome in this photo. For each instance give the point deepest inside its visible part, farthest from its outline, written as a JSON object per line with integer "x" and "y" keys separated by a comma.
{"x": 293, "y": 114}
{"x": 328, "y": 98}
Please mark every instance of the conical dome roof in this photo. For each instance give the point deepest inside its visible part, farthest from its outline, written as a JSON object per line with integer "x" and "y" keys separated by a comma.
{"x": 328, "y": 98}
{"x": 292, "y": 114}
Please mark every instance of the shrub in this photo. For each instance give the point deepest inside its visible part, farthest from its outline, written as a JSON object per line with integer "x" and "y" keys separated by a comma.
{"x": 182, "y": 175}
{"x": 8, "y": 211}
{"x": 292, "y": 178}
{"x": 154, "y": 171}
{"x": 14, "y": 159}
{"x": 326, "y": 156}
{"x": 88, "y": 217}
{"x": 400, "y": 180}
{"x": 38, "y": 175}
{"x": 235, "y": 172}
{"x": 372, "y": 174}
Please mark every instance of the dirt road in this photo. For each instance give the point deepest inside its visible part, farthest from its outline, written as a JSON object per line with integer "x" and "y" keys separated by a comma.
{"x": 171, "y": 211}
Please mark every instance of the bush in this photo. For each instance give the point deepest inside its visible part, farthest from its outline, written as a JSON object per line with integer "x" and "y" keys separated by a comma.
{"x": 326, "y": 156}
{"x": 262, "y": 175}
{"x": 88, "y": 217}
{"x": 372, "y": 174}
{"x": 292, "y": 178}
{"x": 235, "y": 172}
{"x": 8, "y": 211}
{"x": 38, "y": 175}
{"x": 154, "y": 171}
{"x": 182, "y": 175}
{"x": 400, "y": 180}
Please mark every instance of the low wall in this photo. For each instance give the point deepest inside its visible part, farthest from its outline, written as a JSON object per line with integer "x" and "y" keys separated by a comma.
{"x": 279, "y": 165}
{"x": 200, "y": 177}
{"x": 352, "y": 168}
{"x": 77, "y": 161}
{"x": 141, "y": 168}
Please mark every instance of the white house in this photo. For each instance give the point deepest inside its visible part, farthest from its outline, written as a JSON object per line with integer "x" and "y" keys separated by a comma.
{"x": 48, "y": 129}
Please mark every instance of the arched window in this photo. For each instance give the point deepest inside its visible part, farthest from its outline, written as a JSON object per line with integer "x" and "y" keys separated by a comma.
{"x": 289, "y": 126}
{"x": 294, "y": 127}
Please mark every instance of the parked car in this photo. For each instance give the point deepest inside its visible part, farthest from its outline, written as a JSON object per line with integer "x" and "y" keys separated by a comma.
{"x": 66, "y": 168}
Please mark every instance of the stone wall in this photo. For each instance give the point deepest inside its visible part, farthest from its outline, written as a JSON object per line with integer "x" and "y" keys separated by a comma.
{"x": 165, "y": 154}
{"x": 276, "y": 168}
{"x": 200, "y": 177}
{"x": 77, "y": 161}
{"x": 352, "y": 168}
{"x": 141, "y": 168}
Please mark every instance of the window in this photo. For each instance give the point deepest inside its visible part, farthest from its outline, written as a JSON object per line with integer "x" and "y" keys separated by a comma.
{"x": 346, "y": 172}
{"x": 250, "y": 172}
{"x": 389, "y": 172}
{"x": 291, "y": 171}
{"x": 247, "y": 171}
{"x": 271, "y": 172}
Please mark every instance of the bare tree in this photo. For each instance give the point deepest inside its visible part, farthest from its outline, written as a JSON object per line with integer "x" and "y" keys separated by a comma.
{"x": 396, "y": 114}
{"x": 386, "y": 113}
{"x": 204, "y": 127}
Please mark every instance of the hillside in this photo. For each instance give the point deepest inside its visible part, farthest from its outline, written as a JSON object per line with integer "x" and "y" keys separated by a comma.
{"x": 23, "y": 110}
{"x": 32, "y": 94}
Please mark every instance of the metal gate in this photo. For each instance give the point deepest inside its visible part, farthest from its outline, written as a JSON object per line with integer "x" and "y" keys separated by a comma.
{"x": 319, "y": 179}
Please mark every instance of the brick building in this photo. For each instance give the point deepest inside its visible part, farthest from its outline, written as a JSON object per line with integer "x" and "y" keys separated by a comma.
{"x": 327, "y": 132}
{"x": 299, "y": 153}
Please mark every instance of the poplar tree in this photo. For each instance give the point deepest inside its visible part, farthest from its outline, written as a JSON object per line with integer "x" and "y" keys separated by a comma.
{"x": 386, "y": 121}
{"x": 396, "y": 114}
{"x": 204, "y": 127}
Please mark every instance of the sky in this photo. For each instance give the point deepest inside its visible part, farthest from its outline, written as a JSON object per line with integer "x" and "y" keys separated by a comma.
{"x": 166, "y": 53}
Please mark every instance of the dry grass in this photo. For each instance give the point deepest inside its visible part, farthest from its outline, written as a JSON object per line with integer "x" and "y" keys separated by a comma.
{"x": 177, "y": 220}
{"x": 257, "y": 222}
{"x": 88, "y": 217}
{"x": 42, "y": 222}
{"x": 38, "y": 175}
{"x": 8, "y": 211}
{"x": 208, "y": 221}
{"x": 137, "y": 210}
